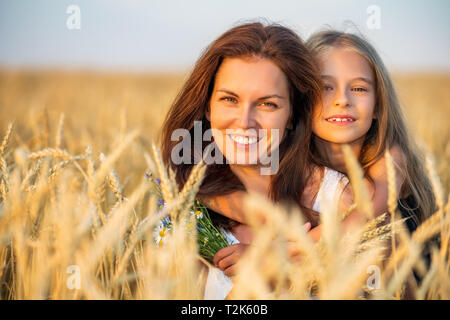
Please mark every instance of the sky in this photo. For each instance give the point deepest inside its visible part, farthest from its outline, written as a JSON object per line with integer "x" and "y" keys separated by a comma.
{"x": 154, "y": 35}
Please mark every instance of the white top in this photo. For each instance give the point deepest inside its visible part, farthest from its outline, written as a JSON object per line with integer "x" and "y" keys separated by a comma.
{"x": 218, "y": 285}
{"x": 331, "y": 187}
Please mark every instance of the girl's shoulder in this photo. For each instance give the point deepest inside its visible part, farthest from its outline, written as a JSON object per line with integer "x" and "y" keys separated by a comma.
{"x": 378, "y": 169}
{"x": 312, "y": 187}
{"x": 329, "y": 187}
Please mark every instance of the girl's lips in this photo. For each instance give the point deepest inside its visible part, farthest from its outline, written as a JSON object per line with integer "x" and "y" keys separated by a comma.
{"x": 340, "y": 119}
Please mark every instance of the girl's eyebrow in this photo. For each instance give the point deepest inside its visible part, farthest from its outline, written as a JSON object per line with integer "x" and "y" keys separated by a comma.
{"x": 261, "y": 98}
{"x": 368, "y": 81}
{"x": 364, "y": 79}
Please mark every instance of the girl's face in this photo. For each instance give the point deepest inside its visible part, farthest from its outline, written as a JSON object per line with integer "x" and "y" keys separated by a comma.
{"x": 248, "y": 95}
{"x": 348, "y": 98}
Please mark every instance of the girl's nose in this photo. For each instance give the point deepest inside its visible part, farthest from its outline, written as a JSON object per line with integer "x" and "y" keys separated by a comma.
{"x": 341, "y": 99}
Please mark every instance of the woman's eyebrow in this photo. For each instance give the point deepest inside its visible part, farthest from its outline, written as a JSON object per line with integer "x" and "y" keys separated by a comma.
{"x": 261, "y": 98}
{"x": 228, "y": 91}
{"x": 271, "y": 96}
{"x": 326, "y": 76}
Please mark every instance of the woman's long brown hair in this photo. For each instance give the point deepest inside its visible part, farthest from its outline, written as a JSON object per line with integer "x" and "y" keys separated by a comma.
{"x": 283, "y": 47}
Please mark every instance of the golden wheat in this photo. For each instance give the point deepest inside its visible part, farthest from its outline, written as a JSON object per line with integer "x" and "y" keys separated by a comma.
{"x": 65, "y": 235}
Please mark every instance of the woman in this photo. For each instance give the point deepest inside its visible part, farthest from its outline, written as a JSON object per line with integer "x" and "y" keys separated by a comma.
{"x": 255, "y": 86}
{"x": 280, "y": 53}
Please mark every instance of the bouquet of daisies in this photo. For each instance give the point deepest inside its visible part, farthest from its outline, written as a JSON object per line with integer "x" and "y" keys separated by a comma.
{"x": 209, "y": 238}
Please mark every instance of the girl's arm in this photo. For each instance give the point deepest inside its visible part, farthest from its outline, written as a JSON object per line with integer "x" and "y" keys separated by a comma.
{"x": 378, "y": 188}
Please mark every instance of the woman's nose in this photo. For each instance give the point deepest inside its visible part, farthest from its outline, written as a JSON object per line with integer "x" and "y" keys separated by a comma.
{"x": 246, "y": 117}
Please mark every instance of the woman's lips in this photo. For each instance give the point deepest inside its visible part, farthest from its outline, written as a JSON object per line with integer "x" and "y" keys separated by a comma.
{"x": 243, "y": 142}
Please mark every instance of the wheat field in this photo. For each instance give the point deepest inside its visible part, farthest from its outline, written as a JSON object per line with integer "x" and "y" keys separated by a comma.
{"x": 76, "y": 214}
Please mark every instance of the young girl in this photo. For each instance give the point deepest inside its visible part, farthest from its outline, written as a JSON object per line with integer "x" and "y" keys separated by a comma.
{"x": 360, "y": 108}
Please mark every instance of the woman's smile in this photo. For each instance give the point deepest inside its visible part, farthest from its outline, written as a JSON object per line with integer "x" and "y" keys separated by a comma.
{"x": 244, "y": 142}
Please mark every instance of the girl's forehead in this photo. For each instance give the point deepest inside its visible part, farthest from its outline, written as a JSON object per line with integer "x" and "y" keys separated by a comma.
{"x": 343, "y": 61}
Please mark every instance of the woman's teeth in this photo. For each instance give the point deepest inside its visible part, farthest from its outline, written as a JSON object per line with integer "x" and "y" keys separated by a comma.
{"x": 340, "y": 119}
{"x": 244, "y": 140}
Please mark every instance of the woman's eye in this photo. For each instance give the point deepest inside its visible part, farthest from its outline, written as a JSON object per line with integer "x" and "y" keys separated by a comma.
{"x": 359, "y": 89}
{"x": 228, "y": 99}
{"x": 327, "y": 87}
{"x": 270, "y": 104}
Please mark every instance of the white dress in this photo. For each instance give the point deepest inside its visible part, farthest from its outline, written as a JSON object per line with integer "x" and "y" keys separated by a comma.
{"x": 218, "y": 285}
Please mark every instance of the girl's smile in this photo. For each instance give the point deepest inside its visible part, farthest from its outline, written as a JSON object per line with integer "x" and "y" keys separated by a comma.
{"x": 341, "y": 119}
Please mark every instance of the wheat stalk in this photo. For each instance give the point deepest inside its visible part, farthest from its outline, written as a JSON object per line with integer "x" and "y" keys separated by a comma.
{"x": 392, "y": 196}
{"x": 433, "y": 225}
{"x": 348, "y": 211}
{"x": 60, "y": 131}
{"x": 166, "y": 186}
{"x": 355, "y": 174}
{"x": 113, "y": 180}
{"x": 437, "y": 188}
{"x": 6, "y": 139}
{"x": 4, "y": 184}
{"x": 4, "y": 178}
{"x": 55, "y": 153}
{"x": 373, "y": 223}
{"x": 192, "y": 186}
{"x": 368, "y": 235}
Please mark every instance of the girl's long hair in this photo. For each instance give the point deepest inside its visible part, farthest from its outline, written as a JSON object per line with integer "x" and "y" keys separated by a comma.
{"x": 388, "y": 129}
{"x": 283, "y": 47}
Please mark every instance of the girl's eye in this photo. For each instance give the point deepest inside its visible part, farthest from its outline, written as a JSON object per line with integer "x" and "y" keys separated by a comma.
{"x": 327, "y": 87}
{"x": 359, "y": 89}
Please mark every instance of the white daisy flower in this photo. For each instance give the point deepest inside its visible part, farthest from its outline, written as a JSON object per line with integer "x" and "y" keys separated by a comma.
{"x": 159, "y": 233}
{"x": 198, "y": 214}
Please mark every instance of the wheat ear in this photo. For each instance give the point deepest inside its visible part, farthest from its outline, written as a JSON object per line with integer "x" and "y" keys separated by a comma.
{"x": 356, "y": 176}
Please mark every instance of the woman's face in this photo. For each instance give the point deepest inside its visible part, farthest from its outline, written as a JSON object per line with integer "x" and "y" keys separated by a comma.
{"x": 249, "y": 108}
{"x": 348, "y": 98}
